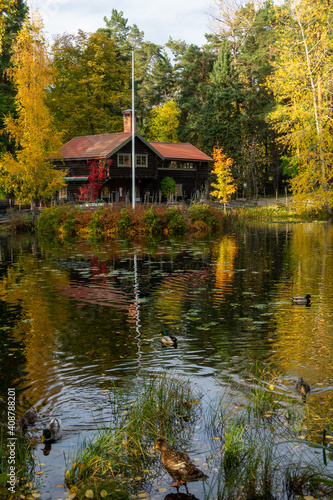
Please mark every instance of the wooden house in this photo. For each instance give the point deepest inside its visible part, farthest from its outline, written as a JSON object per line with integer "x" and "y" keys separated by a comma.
{"x": 185, "y": 163}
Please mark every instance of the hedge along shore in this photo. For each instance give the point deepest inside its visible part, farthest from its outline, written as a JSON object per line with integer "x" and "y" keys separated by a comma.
{"x": 121, "y": 221}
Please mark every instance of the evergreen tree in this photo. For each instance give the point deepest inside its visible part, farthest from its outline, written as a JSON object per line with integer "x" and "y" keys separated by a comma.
{"x": 12, "y": 23}
{"x": 223, "y": 121}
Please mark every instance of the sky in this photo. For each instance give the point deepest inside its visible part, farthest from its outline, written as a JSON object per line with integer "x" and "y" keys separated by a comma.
{"x": 186, "y": 20}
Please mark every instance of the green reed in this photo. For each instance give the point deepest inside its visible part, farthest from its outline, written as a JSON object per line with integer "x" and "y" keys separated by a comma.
{"x": 121, "y": 458}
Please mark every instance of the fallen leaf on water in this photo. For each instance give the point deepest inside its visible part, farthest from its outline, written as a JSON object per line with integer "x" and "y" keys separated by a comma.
{"x": 60, "y": 486}
{"x": 41, "y": 463}
{"x": 38, "y": 473}
{"x": 162, "y": 490}
{"x": 103, "y": 493}
{"x": 89, "y": 494}
{"x": 271, "y": 387}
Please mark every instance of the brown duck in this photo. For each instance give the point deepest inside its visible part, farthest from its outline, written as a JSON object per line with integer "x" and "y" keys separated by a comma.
{"x": 178, "y": 465}
{"x": 28, "y": 418}
{"x": 302, "y": 387}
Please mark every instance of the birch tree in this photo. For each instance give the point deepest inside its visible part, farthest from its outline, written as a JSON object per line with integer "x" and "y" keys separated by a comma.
{"x": 302, "y": 84}
{"x": 28, "y": 173}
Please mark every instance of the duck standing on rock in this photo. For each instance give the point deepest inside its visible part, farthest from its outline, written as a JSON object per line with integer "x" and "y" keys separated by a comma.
{"x": 168, "y": 339}
{"x": 53, "y": 431}
{"x": 302, "y": 301}
{"x": 178, "y": 465}
{"x": 302, "y": 387}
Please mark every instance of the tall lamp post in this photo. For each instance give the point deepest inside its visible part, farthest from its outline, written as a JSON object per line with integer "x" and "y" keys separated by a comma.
{"x": 133, "y": 136}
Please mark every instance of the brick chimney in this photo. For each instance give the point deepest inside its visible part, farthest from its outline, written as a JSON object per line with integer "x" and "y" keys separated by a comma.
{"x": 127, "y": 117}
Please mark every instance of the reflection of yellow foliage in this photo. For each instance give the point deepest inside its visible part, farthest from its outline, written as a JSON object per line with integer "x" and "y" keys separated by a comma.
{"x": 30, "y": 286}
{"x": 224, "y": 267}
{"x": 302, "y": 335}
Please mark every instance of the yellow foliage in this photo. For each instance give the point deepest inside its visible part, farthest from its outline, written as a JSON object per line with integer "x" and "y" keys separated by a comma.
{"x": 301, "y": 83}
{"x": 224, "y": 186}
{"x": 29, "y": 174}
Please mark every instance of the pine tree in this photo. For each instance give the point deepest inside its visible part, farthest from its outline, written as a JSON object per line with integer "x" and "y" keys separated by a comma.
{"x": 12, "y": 23}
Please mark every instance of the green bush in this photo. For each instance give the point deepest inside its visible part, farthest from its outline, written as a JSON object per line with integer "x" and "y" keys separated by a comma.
{"x": 203, "y": 213}
{"x": 168, "y": 187}
{"x": 125, "y": 222}
{"x": 95, "y": 227}
{"x": 153, "y": 221}
{"x": 175, "y": 222}
{"x": 51, "y": 219}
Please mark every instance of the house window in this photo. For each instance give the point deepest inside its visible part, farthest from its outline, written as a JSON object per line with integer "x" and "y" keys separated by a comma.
{"x": 179, "y": 190}
{"x": 178, "y": 165}
{"x": 124, "y": 160}
{"x": 141, "y": 160}
{"x": 63, "y": 193}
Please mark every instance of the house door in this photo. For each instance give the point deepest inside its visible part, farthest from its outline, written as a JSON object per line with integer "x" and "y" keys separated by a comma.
{"x": 121, "y": 191}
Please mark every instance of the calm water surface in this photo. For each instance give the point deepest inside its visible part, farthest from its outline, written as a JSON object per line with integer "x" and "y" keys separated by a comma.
{"x": 76, "y": 316}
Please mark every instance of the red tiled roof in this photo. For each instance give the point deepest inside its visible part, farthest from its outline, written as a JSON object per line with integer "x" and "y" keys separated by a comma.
{"x": 180, "y": 151}
{"x": 101, "y": 146}
{"x": 93, "y": 146}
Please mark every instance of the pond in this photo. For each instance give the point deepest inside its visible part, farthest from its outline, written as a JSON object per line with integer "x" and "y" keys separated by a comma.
{"x": 78, "y": 316}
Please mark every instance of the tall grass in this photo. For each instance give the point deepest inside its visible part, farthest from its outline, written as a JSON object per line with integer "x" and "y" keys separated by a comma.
{"x": 263, "y": 454}
{"x": 121, "y": 456}
{"x": 24, "y": 465}
{"x": 256, "y": 443}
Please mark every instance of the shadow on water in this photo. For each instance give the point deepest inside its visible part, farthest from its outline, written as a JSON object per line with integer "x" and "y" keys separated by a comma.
{"x": 79, "y": 316}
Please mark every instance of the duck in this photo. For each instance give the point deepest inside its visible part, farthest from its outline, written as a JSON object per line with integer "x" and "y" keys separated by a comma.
{"x": 302, "y": 387}
{"x": 53, "y": 431}
{"x": 178, "y": 465}
{"x": 168, "y": 339}
{"x": 301, "y": 300}
{"x": 28, "y": 418}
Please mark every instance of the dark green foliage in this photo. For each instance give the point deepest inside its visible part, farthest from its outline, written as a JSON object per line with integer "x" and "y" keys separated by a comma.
{"x": 13, "y": 23}
{"x": 153, "y": 222}
{"x": 51, "y": 219}
{"x": 95, "y": 226}
{"x": 175, "y": 222}
{"x": 168, "y": 187}
{"x": 125, "y": 222}
{"x": 204, "y": 213}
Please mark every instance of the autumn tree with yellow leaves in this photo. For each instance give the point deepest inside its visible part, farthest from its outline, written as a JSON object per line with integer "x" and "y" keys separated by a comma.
{"x": 302, "y": 86}
{"x": 29, "y": 173}
{"x": 225, "y": 186}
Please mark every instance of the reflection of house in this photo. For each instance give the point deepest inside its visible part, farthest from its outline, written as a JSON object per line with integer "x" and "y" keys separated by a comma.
{"x": 185, "y": 163}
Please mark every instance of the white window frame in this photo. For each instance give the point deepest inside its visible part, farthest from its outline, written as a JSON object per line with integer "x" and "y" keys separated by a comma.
{"x": 129, "y": 164}
{"x": 140, "y": 165}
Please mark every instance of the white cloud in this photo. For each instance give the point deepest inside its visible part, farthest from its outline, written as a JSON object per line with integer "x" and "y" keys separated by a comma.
{"x": 182, "y": 20}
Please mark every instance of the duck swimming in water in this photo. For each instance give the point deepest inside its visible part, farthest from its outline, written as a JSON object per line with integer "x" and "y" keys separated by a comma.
{"x": 53, "y": 431}
{"x": 28, "y": 418}
{"x": 302, "y": 387}
{"x": 301, "y": 300}
{"x": 168, "y": 339}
